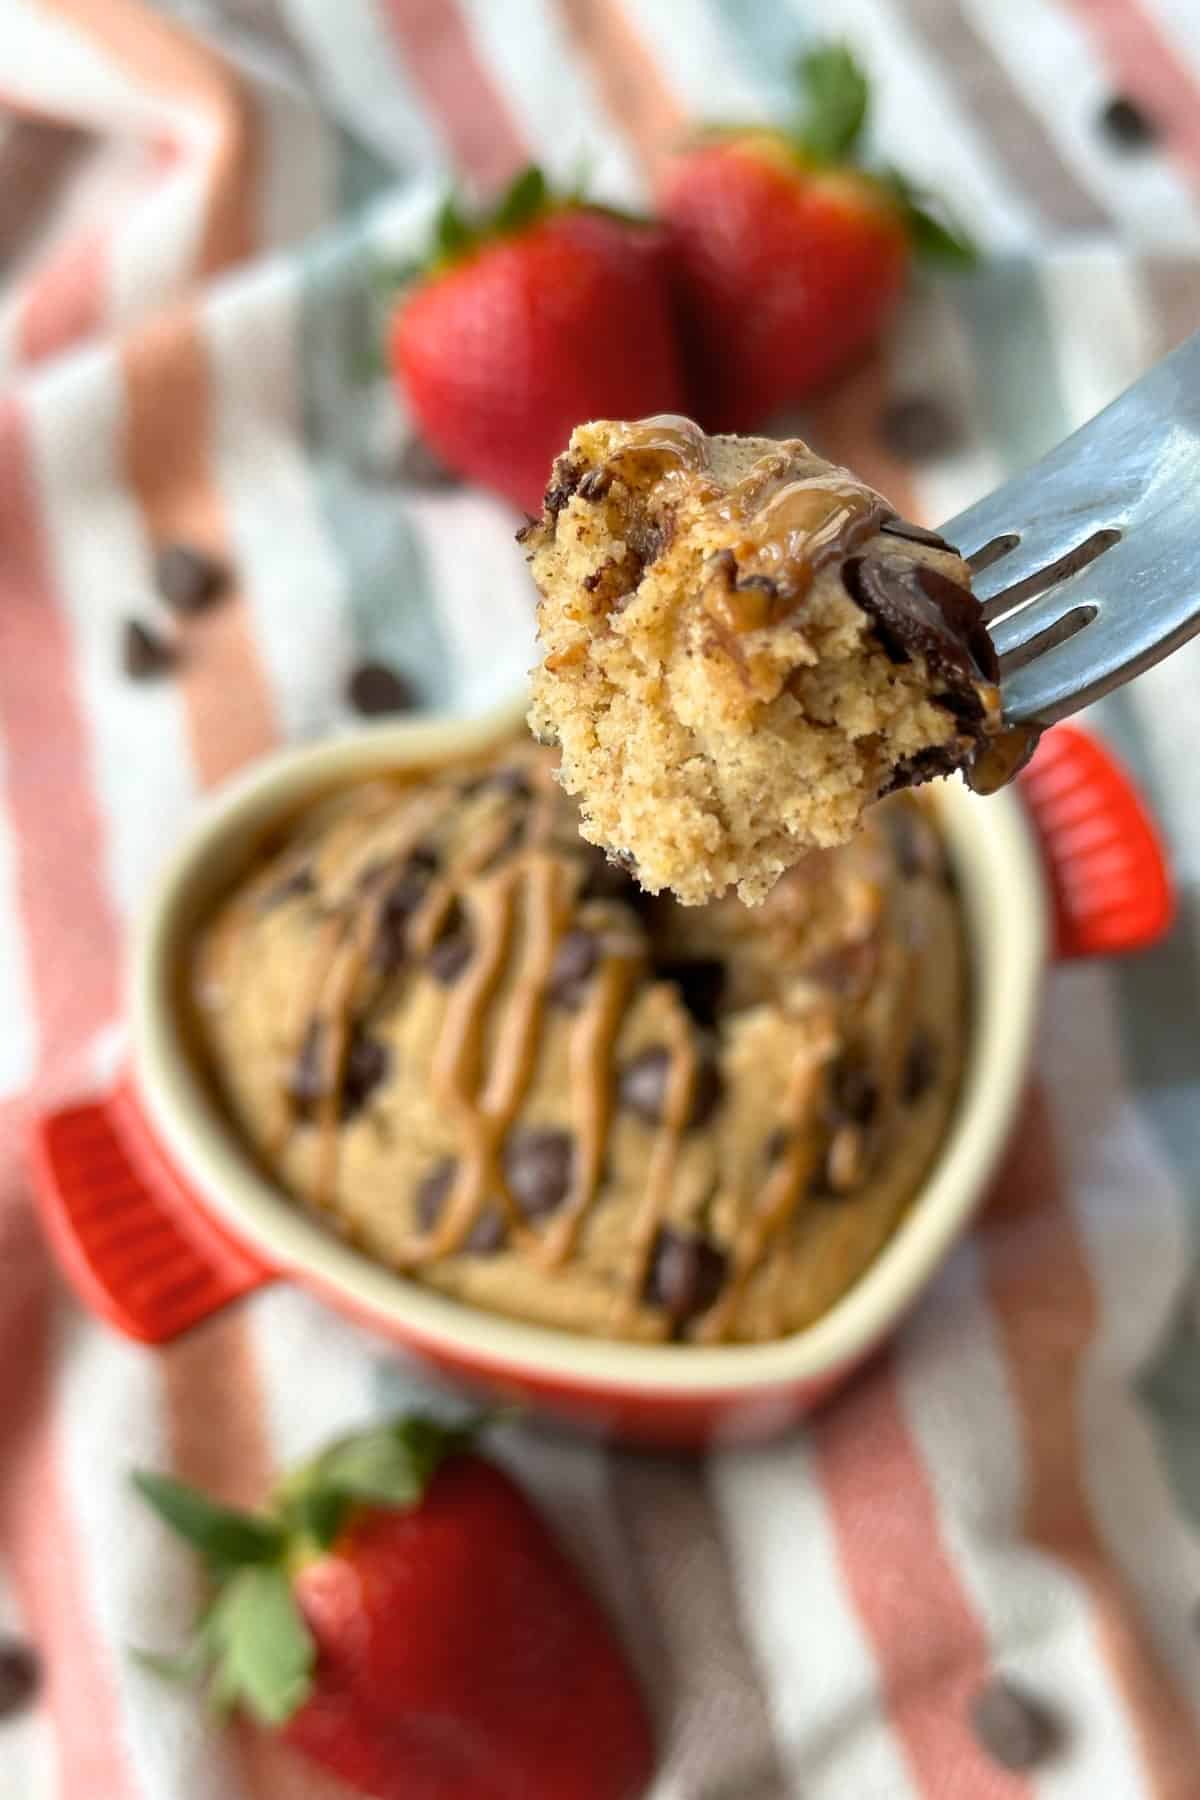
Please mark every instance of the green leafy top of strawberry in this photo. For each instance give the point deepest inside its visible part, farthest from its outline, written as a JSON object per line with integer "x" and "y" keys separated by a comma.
{"x": 828, "y": 131}
{"x": 458, "y": 232}
{"x": 252, "y": 1643}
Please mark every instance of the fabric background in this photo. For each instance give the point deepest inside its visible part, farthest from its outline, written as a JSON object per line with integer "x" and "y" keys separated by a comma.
{"x": 191, "y": 204}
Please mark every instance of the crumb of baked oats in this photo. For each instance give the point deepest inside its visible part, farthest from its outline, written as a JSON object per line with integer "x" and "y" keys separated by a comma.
{"x": 743, "y": 647}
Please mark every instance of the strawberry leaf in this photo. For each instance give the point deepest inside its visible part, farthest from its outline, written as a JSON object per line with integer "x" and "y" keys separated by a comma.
{"x": 452, "y": 234}
{"x": 935, "y": 236}
{"x": 835, "y": 94}
{"x": 226, "y": 1538}
{"x": 524, "y": 200}
{"x": 390, "y": 1464}
{"x": 263, "y": 1654}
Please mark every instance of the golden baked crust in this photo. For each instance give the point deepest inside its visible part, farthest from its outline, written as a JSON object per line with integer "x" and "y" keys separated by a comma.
{"x": 480, "y": 1052}
{"x": 743, "y": 647}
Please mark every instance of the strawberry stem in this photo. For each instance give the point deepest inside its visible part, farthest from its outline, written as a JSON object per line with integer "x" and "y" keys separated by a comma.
{"x": 834, "y": 97}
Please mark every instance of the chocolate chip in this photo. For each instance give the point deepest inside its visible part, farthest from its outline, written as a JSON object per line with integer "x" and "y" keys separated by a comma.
{"x": 1013, "y": 1728}
{"x": 701, "y": 982}
{"x": 375, "y": 690}
{"x": 537, "y": 1168}
{"x": 686, "y": 1273}
{"x": 573, "y": 965}
{"x": 564, "y": 480}
{"x": 293, "y": 886}
{"x": 188, "y": 579}
{"x": 648, "y": 538}
{"x": 403, "y": 897}
{"x": 920, "y": 1068}
{"x": 923, "y": 765}
{"x": 643, "y": 1082}
{"x": 916, "y": 610}
{"x": 449, "y": 958}
{"x": 915, "y": 426}
{"x": 1126, "y": 123}
{"x": 531, "y": 524}
{"x": 595, "y": 484}
{"x": 367, "y": 1064}
{"x": 853, "y": 1094}
{"x": 916, "y": 534}
{"x": 143, "y": 653}
{"x": 20, "y": 1676}
{"x": 486, "y": 1235}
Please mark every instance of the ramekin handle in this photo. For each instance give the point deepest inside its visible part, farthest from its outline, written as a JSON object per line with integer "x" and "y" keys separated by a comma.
{"x": 128, "y": 1233}
{"x": 1107, "y": 867}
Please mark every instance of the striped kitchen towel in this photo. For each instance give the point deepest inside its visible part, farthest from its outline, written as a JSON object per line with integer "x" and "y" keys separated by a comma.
{"x": 191, "y": 205}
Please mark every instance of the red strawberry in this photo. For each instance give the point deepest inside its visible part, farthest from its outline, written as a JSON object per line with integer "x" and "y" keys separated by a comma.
{"x": 404, "y": 1617}
{"x": 548, "y": 313}
{"x": 789, "y": 254}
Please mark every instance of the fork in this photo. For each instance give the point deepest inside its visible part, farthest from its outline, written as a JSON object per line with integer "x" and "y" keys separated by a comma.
{"x": 1088, "y": 563}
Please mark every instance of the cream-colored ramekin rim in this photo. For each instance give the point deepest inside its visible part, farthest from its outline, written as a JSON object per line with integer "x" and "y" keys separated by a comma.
{"x": 1003, "y": 893}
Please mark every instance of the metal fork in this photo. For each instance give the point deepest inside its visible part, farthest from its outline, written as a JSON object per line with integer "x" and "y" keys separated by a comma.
{"x": 1088, "y": 563}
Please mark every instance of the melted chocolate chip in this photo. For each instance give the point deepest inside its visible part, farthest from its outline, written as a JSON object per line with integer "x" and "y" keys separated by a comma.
{"x": 144, "y": 653}
{"x": 686, "y": 1273}
{"x": 564, "y": 481}
{"x": 916, "y": 534}
{"x": 648, "y": 538}
{"x": 1127, "y": 124}
{"x": 916, "y": 610}
{"x": 595, "y": 484}
{"x": 20, "y": 1676}
{"x": 916, "y": 426}
{"x": 853, "y": 1094}
{"x": 923, "y": 765}
{"x": 1013, "y": 1728}
{"x": 293, "y": 886}
{"x": 700, "y": 982}
{"x": 188, "y": 579}
{"x": 643, "y": 1083}
{"x": 572, "y": 968}
{"x": 537, "y": 1168}
{"x": 920, "y": 1068}
{"x": 374, "y": 690}
{"x": 486, "y": 1235}
{"x": 449, "y": 958}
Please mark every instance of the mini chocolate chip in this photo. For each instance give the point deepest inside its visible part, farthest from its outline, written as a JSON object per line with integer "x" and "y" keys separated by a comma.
{"x": 1015, "y": 1730}
{"x": 293, "y": 886}
{"x": 916, "y": 534}
{"x": 188, "y": 579}
{"x": 367, "y": 1064}
{"x": 572, "y": 968}
{"x": 916, "y": 610}
{"x": 144, "y": 653}
{"x": 595, "y": 484}
{"x": 1127, "y": 124}
{"x": 642, "y": 1085}
{"x": 920, "y": 1068}
{"x": 531, "y": 524}
{"x": 686, "y": 1273}
{"x": 20, "y": 1676}
{"x": 701, "y": 982}
{"x": 916, "y": 426}
{"x": 449, "y": 958}
{"x": 854, "y": 1094}
{"x": 537, "y": 1168}
{"x": 374, "y": 690}
{"x": 486, "y": 1235}
{"x": 403, "y": 897}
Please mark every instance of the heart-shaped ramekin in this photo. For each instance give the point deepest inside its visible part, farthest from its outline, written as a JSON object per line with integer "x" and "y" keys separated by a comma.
{"x": 159, "y": 1217}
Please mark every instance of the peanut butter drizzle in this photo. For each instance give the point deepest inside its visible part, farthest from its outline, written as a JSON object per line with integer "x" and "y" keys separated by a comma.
{"x": 677, "y": 1107}
{"x": 589, "y": 1056}
{"x": 785, "y": 1188}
